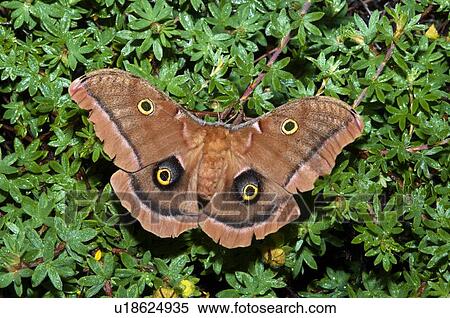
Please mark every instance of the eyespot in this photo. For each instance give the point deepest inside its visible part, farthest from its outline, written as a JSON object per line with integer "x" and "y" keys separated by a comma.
{"x": 250, "y": 192}
{"x": 247, "y": 187}
{"x": 163, "y": 176}
{"x": 289, "y": 127}
{"x": 167, "y": 173}
{"x": 146, "y": 107}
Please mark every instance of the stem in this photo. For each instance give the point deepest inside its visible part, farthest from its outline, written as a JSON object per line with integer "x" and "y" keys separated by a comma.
{"x": 364, "y": 4}
{"x": 57, "y": 251}
{"x": 265, "y": 55}
{"x": 261, "y": 75}
{"x": 322, "y": 86}
{"x": 204, "y": 113}
{"x": 426, "y": 147}
{"x": 275, "y": 53}
{"x": 377, "y": 74}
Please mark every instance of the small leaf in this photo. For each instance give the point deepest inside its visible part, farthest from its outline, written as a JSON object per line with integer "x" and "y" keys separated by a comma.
{"x": 54, "y": 277}
{"x": 6, "y": 279}
{"x": 39, "y": 275}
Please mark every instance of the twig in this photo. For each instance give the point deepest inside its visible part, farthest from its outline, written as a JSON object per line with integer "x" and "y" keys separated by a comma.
{"x": 388, "y": 52}
{"x": 415, "y": 149}
{"x": 356, "y": 4}
{"x": 223, "y": 115}
{"x": 274, "y": 55}
{"x": 426, "y": 12}
{"x": 239, "y": 117}
{"x": 381, "y": 67}
{"x": 377, "y": 74}
{"x": 107, "y": 288}
{"x": 265, "y": 55}
{"x": 276, "y": 52}
{"x": 443, "y": 27}
{"x": 81, "y": 175}
{"x": 305, "y": 7}
{"x": 117, "y": 250}
{"x": 261, "y": 75}
{"x": 273, "y": 58}
{"x": 57, "y": 251}
{"x": 421, "y": 289}
{"x": 366, "y": 7}
{"x": 14, "y": 131}
{"x": 204, "y": 113}
{"x": 426, "y": 147}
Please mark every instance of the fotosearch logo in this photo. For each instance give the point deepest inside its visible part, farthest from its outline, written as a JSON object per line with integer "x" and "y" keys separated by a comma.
{"x": 227, "y": 206}
{"x": 224, "y": 207}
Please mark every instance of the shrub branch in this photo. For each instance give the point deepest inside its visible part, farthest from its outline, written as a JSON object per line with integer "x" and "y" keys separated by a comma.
{"x": 380, "y": 69}
{"x": 275, "y": 53}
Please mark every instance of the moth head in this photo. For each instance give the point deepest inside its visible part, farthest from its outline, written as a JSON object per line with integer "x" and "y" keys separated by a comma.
{"x": 289, "y": 126}
{"x": 247, "y": 186}
{"x": 146, "y": 107}
{"x": 167, "y": 173}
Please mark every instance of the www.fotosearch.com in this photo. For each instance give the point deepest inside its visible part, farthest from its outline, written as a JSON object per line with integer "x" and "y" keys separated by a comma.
{"x": 248, "y": 308}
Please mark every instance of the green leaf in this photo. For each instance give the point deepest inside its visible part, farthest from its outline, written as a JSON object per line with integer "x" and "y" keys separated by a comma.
{"x": 39, "y": 275}
{"x": 157, "y": 50}
{"x": 91, "y": 280}
{"x": 54, "y": 277}
{"x": 6, "y": 279}
{"x": 309, "y": 259}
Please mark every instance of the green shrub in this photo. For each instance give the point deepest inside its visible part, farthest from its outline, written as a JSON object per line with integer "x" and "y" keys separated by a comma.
{"x": 381, "y": 223}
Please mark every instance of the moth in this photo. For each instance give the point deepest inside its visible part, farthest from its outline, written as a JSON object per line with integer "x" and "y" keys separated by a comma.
{"x": 178, "y": 172}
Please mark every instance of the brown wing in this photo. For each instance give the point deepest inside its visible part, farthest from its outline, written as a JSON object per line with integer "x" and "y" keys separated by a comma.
{"x": 139, "y": 137}
{"x": 166, "y": 212}
{"x": 294, "y": 159}
{"x": 232, "y": 222}
{"x": 285, "y": 158}
{"x": 132, "y": 138}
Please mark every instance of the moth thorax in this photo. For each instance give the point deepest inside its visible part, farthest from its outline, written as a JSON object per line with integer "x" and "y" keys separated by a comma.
{"x": 213, "y": 163}
{"x": 211, "y": 175}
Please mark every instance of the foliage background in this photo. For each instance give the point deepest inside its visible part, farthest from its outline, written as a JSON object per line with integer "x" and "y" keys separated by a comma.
{"x": 382, "y": 225}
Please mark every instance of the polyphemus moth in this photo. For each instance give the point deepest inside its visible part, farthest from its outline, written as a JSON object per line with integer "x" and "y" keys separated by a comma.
{"x": 178, "y": 172}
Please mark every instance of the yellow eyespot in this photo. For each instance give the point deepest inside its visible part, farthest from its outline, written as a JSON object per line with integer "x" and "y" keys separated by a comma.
{"x": 249, "y": 192}
{"x": 289, "y": 126}
{"x": 146, "y": 107}
{"x": 164, "y": 176}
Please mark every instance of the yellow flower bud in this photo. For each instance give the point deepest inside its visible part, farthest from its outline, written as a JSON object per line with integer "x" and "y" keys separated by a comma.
{"x": 187, "y": 287}
{"x": 432, "y": 33}
{"x": 359, "y": 39}
{"x": 98, "y": 255}
{"x": 274, "y": 256}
